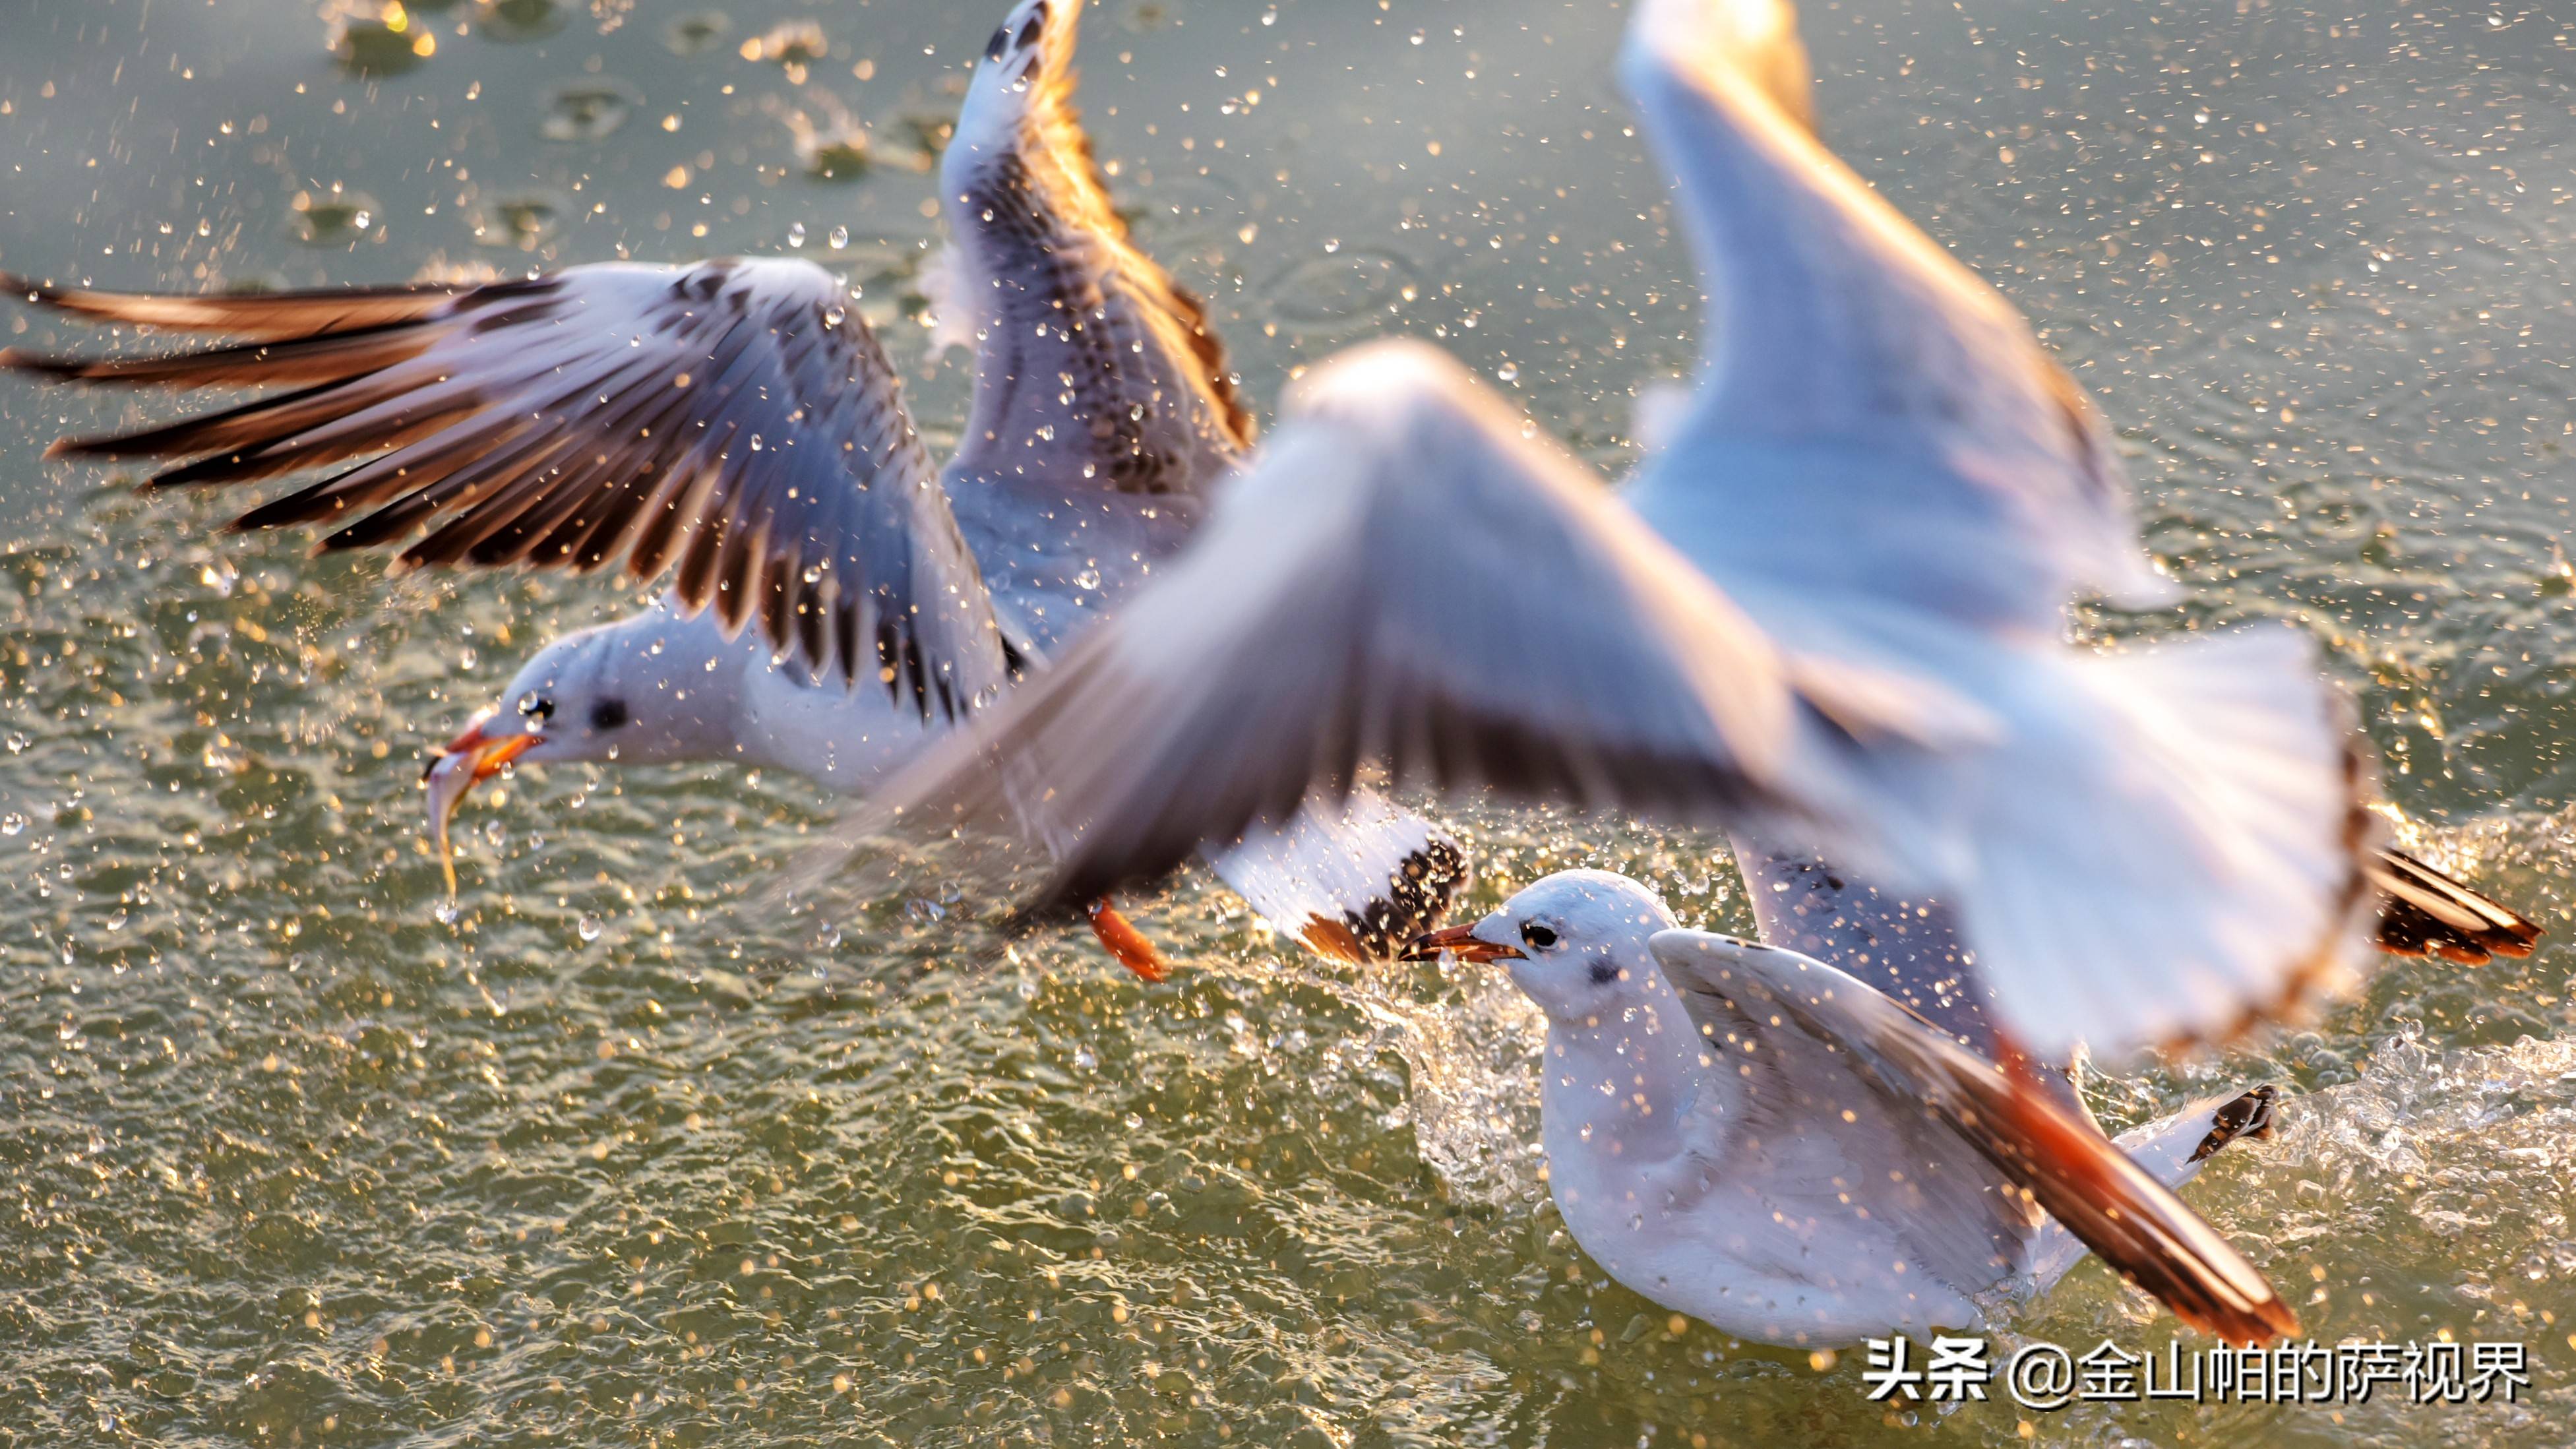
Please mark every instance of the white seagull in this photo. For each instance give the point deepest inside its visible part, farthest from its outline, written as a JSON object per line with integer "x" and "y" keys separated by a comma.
{"x": 736, "y": 424}
{"x": 1833, "y": 609}
{"x": 1751, "y": 1136}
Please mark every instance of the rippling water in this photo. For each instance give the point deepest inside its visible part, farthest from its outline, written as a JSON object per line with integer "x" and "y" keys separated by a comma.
{"x": 621, "y": 1157}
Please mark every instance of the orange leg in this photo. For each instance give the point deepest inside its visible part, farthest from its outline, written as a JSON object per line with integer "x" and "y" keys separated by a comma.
{"x": 1122, "y": 940}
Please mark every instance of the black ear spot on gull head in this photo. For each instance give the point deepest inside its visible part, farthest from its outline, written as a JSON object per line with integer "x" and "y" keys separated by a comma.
{"x": 1605, "y": 972}
{"x": 609, "y": 714}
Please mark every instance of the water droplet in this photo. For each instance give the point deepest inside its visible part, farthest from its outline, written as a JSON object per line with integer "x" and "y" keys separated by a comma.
{"x": 755, "y": 442}
{"x": 18, "y": 743}
{"x": 834, "y": 316}
{"x": 589, "y": 928}
{"x": 526, "y": 220}
{"x": 1507, "y": 372}
{"x": 588, "y": 109}
{"x": 796, "y": 233}
{"x": 447, "y": 912}
{"x": 692, "y": 34}
{"x": 509, "y": 20}
{"x": 792, "y": 44}
{"x": 13, "y": 823}
{"x": 333, "y": 218}
{"x": 840, "y": 238}
{"x": 1321, "y": 293}
{"x": 1087, "y": 579}
{"x": 387, "y": 45}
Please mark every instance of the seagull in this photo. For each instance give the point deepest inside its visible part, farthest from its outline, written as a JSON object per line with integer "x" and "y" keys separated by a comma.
{"x": 1752, "y": 1136}
{"x": 1832, "y": 610}
{"x": 736, "y": 425}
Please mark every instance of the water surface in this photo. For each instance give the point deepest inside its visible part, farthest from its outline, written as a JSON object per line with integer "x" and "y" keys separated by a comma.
{"x": 620, "y": 1156}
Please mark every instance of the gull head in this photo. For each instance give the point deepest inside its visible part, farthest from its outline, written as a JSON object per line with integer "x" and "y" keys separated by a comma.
{"x": 636, "y": 692}
{"x": 1575, "y": 944}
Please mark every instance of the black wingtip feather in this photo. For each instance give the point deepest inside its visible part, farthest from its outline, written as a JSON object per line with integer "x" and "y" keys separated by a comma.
{"x": 2425, "y": 912}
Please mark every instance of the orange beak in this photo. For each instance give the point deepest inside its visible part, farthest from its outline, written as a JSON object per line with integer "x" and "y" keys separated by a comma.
{"x": 1460, "y": 941}
{"x": 467, "y": 761}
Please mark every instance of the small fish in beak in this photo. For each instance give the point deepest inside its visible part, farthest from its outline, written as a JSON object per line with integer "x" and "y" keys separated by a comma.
{"x": 468, "y": 760}
{"x": 1463, "y": 942}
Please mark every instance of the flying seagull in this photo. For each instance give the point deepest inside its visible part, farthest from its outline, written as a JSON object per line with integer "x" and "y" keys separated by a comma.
{"x": 1832, "y": 610}
{"x": 1757, "y": 1138}
{"x": 835, "y": 599}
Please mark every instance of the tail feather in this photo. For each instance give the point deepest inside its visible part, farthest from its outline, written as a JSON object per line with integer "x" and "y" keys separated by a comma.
{"x": 1354, "y": 881}
{"x": 2423, "y": 912}
{"x": 2196, "y": 837}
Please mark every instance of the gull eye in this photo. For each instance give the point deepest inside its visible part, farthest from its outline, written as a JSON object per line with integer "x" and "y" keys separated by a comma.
{"x": 608, "y": 714}
{"x": 537, "y": 707}
{"x": 1534, "y": 934}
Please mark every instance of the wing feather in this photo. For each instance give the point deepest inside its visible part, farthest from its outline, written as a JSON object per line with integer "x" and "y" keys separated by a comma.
{"x": 1839, "y": 1034}
{"x": 730, "y": 415}
{"x": 1406, "y": 578}
{"x": 1838, "y": 327}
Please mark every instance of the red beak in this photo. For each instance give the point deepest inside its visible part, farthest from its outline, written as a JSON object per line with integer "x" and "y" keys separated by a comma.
{"x": 468, "y": 760}
{"x": 487, "y": 753}
{"x": 1460, "y": 941}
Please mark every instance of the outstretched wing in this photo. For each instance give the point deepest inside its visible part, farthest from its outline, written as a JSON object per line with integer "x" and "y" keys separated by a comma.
{"x": 1906, "y": 946}
{"x": 1841, "y": 341}
{"x": 731, "y": 421}
{"x": 1832, "y": 1046}
{"x": 1093, "y": 367}
{"x": 1404, "y": 578}
{"x": 1883, "y": 464}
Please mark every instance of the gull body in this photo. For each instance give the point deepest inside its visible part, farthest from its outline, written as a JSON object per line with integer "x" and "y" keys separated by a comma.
{"x": 1732, "y": 1165}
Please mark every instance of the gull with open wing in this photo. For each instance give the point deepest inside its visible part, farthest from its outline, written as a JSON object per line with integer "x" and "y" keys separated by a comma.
{"x": 735, "y": 425}
{"x": 1759, "y": 1139}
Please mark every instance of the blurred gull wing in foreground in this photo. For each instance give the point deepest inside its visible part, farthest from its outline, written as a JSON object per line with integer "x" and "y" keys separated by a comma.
{"x": 1405, "y": 579}
{"x": 1833, "y": 608}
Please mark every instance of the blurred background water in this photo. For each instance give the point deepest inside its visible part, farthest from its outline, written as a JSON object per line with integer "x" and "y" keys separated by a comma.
{"x": 620, "y": 1155}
